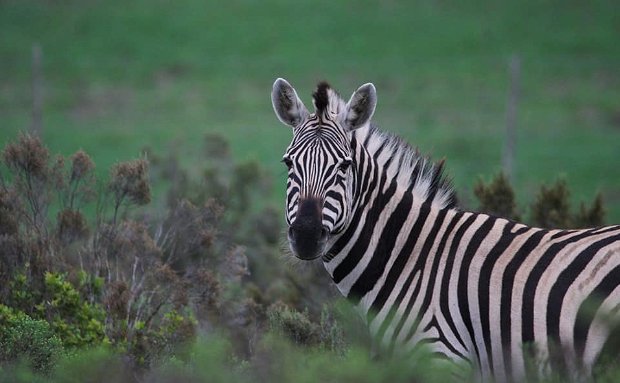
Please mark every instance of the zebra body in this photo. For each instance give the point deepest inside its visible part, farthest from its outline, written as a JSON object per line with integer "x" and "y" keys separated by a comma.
{"x": 471, "y": 287}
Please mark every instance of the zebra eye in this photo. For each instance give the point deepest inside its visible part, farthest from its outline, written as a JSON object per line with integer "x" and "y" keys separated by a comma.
{"x": 344, "y": 164}
{"x": 287, "y": 161}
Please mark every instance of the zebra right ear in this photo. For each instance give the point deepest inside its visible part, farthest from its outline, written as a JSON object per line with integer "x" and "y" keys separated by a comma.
{"x": 361, "y": 107}
{"x": 288, "y": 107}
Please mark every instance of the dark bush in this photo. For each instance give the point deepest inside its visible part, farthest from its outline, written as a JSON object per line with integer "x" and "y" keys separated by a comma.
{"x": 129, "y": 184}
{"x": 551, "y": 209}
{"x": 497, "y": 197}
{"x": 592, "y": 216}
{"x": 552, "y": 206}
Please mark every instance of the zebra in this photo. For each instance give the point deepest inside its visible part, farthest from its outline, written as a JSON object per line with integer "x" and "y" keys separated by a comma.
{"x": 471, "y": 287}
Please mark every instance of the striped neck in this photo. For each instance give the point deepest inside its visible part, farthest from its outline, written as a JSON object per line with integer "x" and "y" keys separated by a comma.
{"x": 393, "y": 185}
{"x": 395, "y": 159}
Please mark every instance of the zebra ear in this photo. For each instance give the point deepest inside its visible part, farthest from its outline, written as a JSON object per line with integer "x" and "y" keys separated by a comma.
{"x": 360, "y": 107}
{"x": 288, "y": 107}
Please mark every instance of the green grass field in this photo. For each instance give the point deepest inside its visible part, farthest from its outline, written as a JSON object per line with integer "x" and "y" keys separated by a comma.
{"x": 120, "y": 76}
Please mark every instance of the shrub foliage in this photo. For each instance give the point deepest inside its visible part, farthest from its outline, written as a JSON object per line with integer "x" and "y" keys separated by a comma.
{"x": 105, "y": 279}
{"x": 23, "y": 338}
{"x": 551, "y": 208}
{"x": 96, "y": 267}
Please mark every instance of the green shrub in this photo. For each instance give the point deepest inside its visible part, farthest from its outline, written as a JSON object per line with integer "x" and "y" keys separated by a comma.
{"x": 297, "y": 327}
{"x": 25, "y": 339}
{"x": 78, "y": 323}
{"x": 74, "y": 320}
{"x": 292, "y": 324}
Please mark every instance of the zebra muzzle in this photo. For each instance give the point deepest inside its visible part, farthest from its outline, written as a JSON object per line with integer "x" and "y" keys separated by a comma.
{"x": 307, "y": 235}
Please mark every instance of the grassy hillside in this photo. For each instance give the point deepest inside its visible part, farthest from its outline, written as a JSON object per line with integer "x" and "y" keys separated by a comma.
{"x": 120, "y": 76}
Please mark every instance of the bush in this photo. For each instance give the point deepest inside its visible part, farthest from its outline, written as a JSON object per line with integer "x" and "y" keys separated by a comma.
{"x": 25, "y": 339}
{"x": 497, "y": 197}
{"x": 292, "y": 324}
{"x": 297, "y": 327}
{"x": 551, "y": 208}
{"x": 78, "y": 323}
{"x": 75, "y": 321}
{"x": 140, "y": 280}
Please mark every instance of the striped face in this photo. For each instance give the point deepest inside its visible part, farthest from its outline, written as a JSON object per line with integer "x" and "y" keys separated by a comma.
{"x": 318, "y": 186}
{"x": 320, "y": 164}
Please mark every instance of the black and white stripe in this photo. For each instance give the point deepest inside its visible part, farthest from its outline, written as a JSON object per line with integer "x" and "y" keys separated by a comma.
{"x": 472, "y": 287}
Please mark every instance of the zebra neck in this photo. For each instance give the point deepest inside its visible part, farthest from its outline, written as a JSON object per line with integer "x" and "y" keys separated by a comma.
{"x": 381, "y": 237}
{"x": 394, "y": 190}
{"x": 379, "y": 154}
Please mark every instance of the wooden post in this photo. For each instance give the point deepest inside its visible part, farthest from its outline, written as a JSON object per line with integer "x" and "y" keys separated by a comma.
{"x": 514, "y": 90}
{"x": 37, "y": 90}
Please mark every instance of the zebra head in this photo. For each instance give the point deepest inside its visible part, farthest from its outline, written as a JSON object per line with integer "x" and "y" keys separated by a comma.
{"x": 321, "y": 163}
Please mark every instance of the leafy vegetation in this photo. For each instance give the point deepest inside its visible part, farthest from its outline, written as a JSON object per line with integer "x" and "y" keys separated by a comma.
{"x": 497, "y": 197}
{"x": 23, "y": 338}
{"x": 181, "y": 286}
{"x": 77, "y": 322}
{"x": 140, "y": 284}
{"x": 551, "y": 209}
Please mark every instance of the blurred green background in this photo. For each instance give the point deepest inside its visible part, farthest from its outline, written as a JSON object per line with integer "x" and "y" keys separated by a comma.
{"x": 120, "y": 76}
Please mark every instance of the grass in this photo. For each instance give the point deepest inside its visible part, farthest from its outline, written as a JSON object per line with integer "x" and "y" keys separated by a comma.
{"x": 121, "y": 76}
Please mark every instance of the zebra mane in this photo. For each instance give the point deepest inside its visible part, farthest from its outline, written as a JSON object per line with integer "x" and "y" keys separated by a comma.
{"x": 409, "y": 167}
{"x": 400, "y": 161}
{"x": 327, "y": 100}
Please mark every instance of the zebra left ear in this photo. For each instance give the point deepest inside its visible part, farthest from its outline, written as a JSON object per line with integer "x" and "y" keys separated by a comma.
{"x": 287, "y": 105}
{"x": 360, "y": 107}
